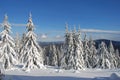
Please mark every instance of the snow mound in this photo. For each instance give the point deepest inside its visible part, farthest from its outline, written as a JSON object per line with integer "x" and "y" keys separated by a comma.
{"x": 112, "y": 77}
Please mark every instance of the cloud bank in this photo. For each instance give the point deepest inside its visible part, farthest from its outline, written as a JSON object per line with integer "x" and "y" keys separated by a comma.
{"x": 95, "y": 33}
{"x": 100, "y": 31}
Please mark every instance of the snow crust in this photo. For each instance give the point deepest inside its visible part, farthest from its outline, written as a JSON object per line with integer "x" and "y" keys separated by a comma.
{"x": 51, "y": 73}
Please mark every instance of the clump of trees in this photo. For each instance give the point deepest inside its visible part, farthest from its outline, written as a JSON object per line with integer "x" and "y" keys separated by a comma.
{"x": 75, "y": 53}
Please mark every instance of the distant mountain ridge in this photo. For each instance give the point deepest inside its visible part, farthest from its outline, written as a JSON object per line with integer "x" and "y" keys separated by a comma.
{"x": 116, "y": 44}
{"x": 42, "y": 44}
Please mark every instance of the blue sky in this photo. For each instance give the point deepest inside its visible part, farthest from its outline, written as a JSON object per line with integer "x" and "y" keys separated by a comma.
{"x": 50, "y": 15}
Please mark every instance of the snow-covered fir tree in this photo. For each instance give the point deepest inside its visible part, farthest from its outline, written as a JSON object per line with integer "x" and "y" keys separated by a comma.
{"x": 104, "y": 57}
{"x": 45, "y": 57}
{"x": 17, "y": 44}
{"x": 59, "y": 53}
{"x": 86, "y": 51}
{"x": 117, "y": 58}
{"x": 78, "y": 51}
{"x": 7, "y": 52}
{"x": 53, "y": 61}
{"x": 31, "y": 52}
{"x": 92, "y": 54}
{"x": 68, "y": 49}
{"x": 22, "y": 41}
{"x": 70, "y": 54}
{"x": 23, "y": 38}
{"x": 113, "y": 58}
{"x": 117, "y": 53}
{"x": 73, "y": 54}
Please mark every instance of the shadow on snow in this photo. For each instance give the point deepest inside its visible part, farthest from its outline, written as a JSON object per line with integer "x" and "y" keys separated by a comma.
{"x": 21, "y": 77}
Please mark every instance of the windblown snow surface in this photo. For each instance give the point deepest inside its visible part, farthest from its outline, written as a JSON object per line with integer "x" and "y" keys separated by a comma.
{"x": 51, "y": 73}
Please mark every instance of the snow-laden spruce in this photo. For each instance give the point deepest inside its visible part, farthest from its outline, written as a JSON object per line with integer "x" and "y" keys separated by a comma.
{"x": 73, "y": 53}
{"x": 86, "y": 51}
{"x": 92, "y": 54}
{"x": 31, "y": 53}
{"x": 117, "y": 58}
{"x": 59, "y": 53}
{"x": 104, "y": 57}
{"x": 78, "y": 51}
{"x": 52, "y": 54}
{"x": 7, "y": 52}
{"x": 53, "y": 61}
{"x": 17, "y": 44}
{"x": 113, "y": 59}
{"x": 68, "y": 49}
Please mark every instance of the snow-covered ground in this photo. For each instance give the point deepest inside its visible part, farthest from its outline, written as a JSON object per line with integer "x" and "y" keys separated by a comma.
{"x": 51, "y": 73}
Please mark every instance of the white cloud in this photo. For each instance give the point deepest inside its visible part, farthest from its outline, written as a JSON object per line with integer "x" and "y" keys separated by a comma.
{"x": 100, "y": 31}
{"x": 58, "y": 37}
{"x": 95, "y": 33}
{"x": 43, "y": 36}
{"x": 91, "y": 31}
{"x": 101, "y": 35}
{"x": 18, "y": 25}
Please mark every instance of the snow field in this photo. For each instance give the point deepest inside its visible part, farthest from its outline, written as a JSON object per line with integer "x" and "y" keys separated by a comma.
{"x": 51, "y": 73}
